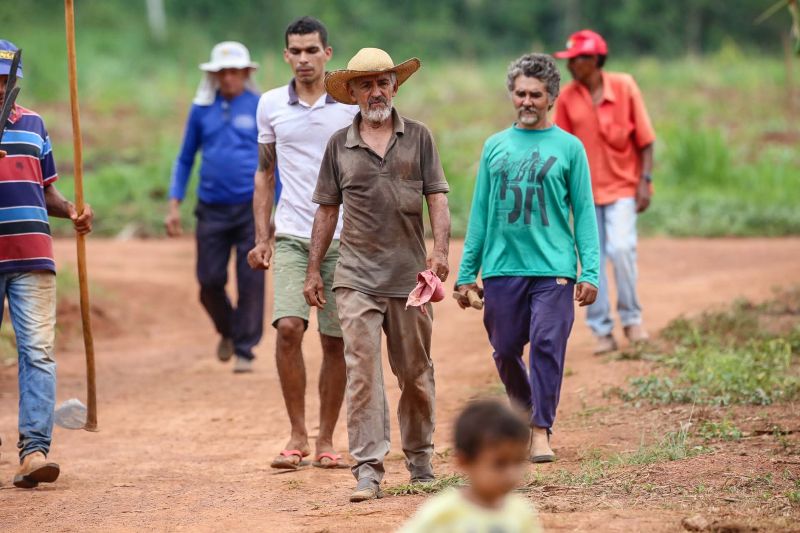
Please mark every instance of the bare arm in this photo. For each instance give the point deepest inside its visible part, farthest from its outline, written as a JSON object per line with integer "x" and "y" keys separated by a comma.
{"x": 644, "y": 190}
{"x": 60, "y": 207}
{"x": 646, "y": 154}
{"x": 264, "y": 194}
{"x": 321, "y": 236}
{"x": 440, "y": 224}
{"x": 263, "y": 198}
{"x": 57, "y": 205}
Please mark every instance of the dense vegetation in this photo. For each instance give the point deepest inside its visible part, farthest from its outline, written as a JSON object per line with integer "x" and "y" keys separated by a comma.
{"x": 727, "y": 158}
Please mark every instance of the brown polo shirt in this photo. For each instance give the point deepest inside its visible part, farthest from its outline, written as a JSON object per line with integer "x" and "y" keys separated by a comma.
{"x": 382, "y": 246}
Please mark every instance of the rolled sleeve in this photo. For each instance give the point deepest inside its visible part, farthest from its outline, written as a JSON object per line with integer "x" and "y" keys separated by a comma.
{"x": 328, "y": 190}
{"x": 48, "y": 163}
{"x": 266, "y": 134}
{"x": 433, "y": 178}
{"x": 643, "y": 132}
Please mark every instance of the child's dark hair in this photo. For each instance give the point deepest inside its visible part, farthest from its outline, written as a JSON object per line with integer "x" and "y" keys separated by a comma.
{"x": 487, "y": 422}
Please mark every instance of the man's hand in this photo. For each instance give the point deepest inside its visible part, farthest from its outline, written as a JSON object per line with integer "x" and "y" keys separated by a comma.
{"x": 437, "y": 262}
{"x": 463, "y": 301}
{"x": 314, "y": 290}
{"x": 643, "y": 195}
{"x": 260, "y": 256}
{"x": 2, "y": 154}
{"x": 172, "y": 222}
{"x": 585, "y": 294}
{"x": 82, "y": 223}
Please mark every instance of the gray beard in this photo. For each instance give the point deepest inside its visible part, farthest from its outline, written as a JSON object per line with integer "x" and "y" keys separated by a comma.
{"x": 377, "y": 116}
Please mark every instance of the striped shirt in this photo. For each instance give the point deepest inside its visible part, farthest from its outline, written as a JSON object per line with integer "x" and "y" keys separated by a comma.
{"x": 25, "y": 242}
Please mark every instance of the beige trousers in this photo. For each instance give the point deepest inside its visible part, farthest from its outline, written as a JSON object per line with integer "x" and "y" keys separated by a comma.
{"x": 408, "y": 338}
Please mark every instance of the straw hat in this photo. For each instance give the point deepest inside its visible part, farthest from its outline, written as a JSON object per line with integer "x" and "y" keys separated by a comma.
{"x": 366, "y": 62}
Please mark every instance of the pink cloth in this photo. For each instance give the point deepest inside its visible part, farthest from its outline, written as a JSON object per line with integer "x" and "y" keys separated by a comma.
{"x": 429, "y": 289}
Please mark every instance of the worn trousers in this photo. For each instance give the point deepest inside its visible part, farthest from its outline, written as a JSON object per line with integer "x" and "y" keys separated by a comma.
{"x": 32, "y": 306}
{"x": 220, "y": 229}
{"x": 408, "y": 339}
{"x": 539, "y": 310}
{"x": 616, "y": 224}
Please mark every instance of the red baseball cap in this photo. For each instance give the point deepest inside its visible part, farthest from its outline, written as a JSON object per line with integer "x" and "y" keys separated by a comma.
{"x": 584, "y": 42}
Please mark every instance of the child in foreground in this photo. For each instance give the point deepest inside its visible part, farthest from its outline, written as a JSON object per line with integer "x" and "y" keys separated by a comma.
{"x": 491, "y": 445}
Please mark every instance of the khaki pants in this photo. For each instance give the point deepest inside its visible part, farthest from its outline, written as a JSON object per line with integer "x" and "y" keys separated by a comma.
{"x": 408, "y": 338}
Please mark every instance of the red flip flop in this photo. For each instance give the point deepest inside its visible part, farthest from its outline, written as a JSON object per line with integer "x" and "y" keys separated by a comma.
{"x": 282, "y": 462}
{"x": 336, "y": 461}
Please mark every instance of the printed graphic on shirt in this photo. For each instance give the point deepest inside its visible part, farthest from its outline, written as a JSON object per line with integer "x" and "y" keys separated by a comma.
{"x": 244, "y": 122}
{"x": 522, "y": 179}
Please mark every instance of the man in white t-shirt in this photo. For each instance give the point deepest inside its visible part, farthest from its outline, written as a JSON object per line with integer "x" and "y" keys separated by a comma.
{"x": 294, "y": 124}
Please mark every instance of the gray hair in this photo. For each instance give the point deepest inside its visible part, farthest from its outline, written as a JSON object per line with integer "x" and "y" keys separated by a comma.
{"x": 540, "y": 66}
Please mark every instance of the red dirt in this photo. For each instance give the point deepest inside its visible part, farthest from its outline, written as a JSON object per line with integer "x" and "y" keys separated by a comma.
{"x": 186, "y": 445}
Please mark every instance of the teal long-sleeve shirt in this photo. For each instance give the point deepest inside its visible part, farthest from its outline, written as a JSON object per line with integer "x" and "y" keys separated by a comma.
{"x": 528, "y": 183}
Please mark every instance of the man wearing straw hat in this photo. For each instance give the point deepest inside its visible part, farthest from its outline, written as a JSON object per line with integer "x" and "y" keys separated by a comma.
{"x": 222, "y": 122}
{"x": 380, "y": 168}
{"x": 27, "y": 272}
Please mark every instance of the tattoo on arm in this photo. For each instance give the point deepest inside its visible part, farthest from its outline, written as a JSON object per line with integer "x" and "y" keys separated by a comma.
{"x": 264, "y": 193}
{"x": 266, "y": 157}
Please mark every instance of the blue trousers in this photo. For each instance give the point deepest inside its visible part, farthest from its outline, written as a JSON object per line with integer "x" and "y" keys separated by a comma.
{"x": 32, "y": 306}
{"x": 221, "y": 229}
{"x": 536, "y": 310}
{"x": 616, "y": 224}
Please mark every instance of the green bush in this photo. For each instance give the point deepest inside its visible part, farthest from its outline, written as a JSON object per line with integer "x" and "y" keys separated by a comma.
{"x": 725, "y": 357}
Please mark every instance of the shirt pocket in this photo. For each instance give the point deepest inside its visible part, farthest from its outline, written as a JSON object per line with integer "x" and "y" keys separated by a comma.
{"x": 617, "y": 135}
{"x": 408, "y": 196}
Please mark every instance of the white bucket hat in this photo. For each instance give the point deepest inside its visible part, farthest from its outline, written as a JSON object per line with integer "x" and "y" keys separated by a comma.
{"x": 228, "y": 54}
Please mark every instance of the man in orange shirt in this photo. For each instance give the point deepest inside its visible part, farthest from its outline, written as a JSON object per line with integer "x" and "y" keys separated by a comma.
{"x": 605, "y": 110}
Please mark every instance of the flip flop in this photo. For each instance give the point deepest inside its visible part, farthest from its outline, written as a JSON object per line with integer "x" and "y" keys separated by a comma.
{"x": 285, "y": 463}
{"x": 334, "y": 464}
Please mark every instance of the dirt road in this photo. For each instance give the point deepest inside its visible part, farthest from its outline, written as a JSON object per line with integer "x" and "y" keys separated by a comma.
{"x": 186, "y": 445}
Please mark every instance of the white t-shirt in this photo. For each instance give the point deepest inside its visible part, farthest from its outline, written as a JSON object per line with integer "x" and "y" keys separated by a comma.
{"x": 300, "y": 132}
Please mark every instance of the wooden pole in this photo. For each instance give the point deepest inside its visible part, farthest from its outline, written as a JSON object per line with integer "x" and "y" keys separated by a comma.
{"x": 88, "y": 341}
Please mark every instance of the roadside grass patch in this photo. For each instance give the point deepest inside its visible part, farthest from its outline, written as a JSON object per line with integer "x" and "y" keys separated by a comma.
{"x": 595, "y": 468}
{"x": 724, "y": 430}
{"x": 747, "y": 354}
{"x": 438, "y": 485}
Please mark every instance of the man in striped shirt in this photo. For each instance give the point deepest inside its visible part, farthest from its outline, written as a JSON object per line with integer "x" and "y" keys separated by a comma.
{"x": 27, "y": 273}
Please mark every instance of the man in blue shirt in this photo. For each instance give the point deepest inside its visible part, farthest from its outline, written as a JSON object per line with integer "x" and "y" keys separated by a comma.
{"x": 222, "y": 123}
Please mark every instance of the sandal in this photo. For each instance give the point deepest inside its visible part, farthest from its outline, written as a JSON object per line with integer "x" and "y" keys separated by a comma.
{"x": 334, "y": 463}
{"x": 284, "y": 462}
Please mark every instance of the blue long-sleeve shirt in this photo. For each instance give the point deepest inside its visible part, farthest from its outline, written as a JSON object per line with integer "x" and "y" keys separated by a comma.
{"x": 226, "y": 133}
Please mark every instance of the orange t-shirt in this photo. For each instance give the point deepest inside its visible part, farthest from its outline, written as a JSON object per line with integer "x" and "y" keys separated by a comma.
{"x": 613, "y": 133}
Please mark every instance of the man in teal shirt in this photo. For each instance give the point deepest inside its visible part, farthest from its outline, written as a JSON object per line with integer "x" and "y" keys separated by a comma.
{"x": 532, "y": 176}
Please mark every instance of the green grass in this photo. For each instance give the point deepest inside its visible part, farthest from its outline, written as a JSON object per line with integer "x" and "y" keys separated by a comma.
{"x": 724, "y": 430}
{"x": 731, "y": 356}
{"x": 726, "y": 156}
{"x": 595, "y": 467}
{"x": 440, "y": 484}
